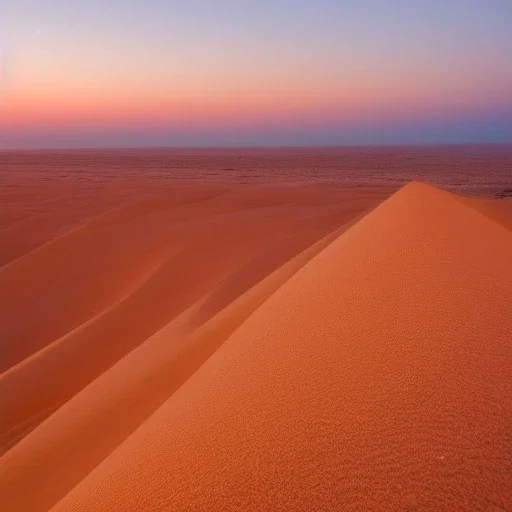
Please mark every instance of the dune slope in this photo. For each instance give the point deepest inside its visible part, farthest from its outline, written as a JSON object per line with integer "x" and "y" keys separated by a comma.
{"x": 378, "y": 377}
{"x": 258, "y": 348}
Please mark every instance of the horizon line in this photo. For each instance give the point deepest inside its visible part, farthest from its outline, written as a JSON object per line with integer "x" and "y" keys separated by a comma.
{"x": 253, "y": 147}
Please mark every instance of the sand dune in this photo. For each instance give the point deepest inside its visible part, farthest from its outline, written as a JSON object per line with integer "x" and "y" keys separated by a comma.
{"x": 255, "y": 348}
{"x": 208, "y": 244}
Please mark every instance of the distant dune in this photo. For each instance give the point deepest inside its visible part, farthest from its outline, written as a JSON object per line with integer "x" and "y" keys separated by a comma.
{"x": 246, "y": 347}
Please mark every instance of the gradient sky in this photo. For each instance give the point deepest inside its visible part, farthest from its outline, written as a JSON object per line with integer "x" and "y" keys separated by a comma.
{"x": 231, "y": 72}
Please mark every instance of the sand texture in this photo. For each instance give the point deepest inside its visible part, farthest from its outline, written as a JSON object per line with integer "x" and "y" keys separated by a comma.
{"x": 185, "y": 346}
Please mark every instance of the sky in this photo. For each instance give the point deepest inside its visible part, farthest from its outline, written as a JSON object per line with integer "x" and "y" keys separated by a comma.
{"x": 94, "y": 73}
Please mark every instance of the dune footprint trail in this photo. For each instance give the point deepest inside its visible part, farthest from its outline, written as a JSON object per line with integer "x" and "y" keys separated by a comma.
{"x": 366, "y": 367}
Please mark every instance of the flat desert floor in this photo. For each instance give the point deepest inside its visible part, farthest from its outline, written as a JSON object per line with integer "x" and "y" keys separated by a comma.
{"x": 178, "y": 334}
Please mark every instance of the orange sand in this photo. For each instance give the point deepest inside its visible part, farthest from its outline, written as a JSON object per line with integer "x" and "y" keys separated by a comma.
{"x": 240, "y": 347}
